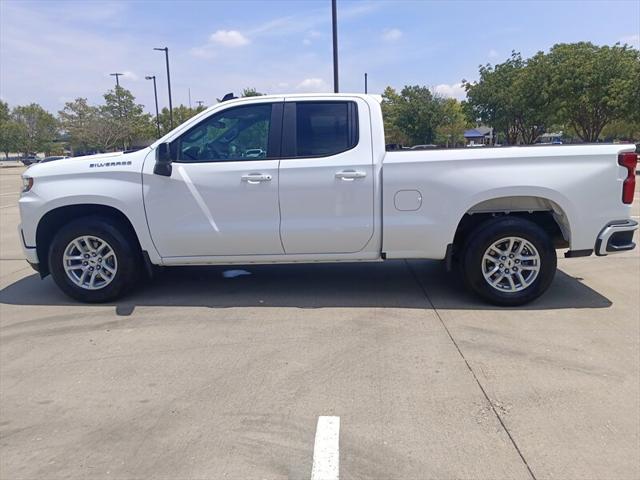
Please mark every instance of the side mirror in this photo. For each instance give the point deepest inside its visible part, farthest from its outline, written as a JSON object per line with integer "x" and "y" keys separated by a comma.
{"x": 164, "y": 156}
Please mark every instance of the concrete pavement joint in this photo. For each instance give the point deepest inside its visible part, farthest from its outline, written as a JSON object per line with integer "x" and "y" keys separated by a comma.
{"x": 475, "y": 377}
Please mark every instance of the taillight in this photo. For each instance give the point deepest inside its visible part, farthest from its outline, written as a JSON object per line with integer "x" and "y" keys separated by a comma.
{"x": 628, "y": 160}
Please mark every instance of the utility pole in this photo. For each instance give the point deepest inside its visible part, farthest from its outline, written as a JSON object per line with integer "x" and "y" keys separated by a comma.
{"x": 155, "y": 94}
{"x": 117, "y": 75}
{"x": 166, "y": 54}
{"x": 365, "y": 82}
{"x": 189, "y": 98}
{"x": 334, "y": 21}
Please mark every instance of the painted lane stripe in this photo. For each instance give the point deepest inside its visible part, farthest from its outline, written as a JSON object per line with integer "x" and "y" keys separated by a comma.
{"x": 326, "y": 449}
{"x": 197, "y": 197}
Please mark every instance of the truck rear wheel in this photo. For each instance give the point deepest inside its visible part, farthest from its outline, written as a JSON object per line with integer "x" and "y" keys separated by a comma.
{"x": 509, "y": 261}
{"x": 92, "y": 259}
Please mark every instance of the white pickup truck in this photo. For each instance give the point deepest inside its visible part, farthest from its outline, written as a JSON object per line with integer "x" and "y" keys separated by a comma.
{"x": 306, "y": 178}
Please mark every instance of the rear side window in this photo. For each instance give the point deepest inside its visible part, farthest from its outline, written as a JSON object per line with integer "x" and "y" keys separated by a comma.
{"x": 321, "y": 128}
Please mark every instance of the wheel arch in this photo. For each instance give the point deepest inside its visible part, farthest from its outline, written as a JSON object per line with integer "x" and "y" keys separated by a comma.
{"x": 543, "y": 211}
{"x": 51, "y": 222}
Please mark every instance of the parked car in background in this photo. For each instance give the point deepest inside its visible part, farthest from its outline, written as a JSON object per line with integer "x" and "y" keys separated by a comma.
{"x": 324, "y": 191}
{"x": 30, "y": 160}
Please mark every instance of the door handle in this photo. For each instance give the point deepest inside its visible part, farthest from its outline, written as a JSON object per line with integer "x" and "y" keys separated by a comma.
{"x": 256, "y": 177}
{"x": 350, "y": 175}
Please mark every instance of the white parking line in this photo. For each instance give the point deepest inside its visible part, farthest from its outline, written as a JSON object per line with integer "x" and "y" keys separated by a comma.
{"x": 326, "y": 449}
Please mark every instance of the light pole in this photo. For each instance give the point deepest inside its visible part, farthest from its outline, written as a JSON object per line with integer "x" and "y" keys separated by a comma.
{"x": 365, "y": 82}
{"x": 166, "y": 55}
{"x": 155, "y": 94}
{"x": 334, "y": 21}
{"x": 117, "y": 75}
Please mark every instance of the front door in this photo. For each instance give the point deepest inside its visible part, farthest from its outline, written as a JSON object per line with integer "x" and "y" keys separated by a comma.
{"x": 326, "y": 177}
{"x": 222, "y": 195}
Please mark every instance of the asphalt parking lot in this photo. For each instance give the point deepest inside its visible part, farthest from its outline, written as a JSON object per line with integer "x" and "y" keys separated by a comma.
{"x": 206, "y": 374}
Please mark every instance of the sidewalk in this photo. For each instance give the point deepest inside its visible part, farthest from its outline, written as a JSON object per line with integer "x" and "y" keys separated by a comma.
{"x": 10, "y": 163}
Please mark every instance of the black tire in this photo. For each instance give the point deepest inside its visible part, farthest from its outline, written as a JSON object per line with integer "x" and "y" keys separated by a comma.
{"x": 492, "y": 231}
{"x": 119, "y": 238}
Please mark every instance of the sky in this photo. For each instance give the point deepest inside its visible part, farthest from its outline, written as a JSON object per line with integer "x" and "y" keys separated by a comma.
{"x": 52, "y": 52}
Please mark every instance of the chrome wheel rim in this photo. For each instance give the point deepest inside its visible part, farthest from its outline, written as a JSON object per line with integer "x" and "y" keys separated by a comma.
{"x": 511, "y": 264}
{"x": 90, "y": 262}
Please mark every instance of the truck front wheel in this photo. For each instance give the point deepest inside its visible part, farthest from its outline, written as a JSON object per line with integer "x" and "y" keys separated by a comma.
{"x": 93, "y": 260}
{"x": 509, "y": 261}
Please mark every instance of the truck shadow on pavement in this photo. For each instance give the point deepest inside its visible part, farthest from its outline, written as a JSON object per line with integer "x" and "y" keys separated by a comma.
{"x": 392, "y": 284}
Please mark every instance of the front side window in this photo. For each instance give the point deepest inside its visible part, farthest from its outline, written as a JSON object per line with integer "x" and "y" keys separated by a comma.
{"x": 325, "y": 128}
{"x": 240, "y": 133}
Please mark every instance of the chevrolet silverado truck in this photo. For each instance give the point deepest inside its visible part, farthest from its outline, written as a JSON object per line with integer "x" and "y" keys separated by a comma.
{"x": 306, "y": 178}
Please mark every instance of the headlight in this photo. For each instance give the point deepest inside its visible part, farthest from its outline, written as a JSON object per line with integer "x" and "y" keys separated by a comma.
{"x": 27, "y": 183}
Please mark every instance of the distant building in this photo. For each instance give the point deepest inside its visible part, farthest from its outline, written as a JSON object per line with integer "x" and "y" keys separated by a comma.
{"x": 479, "y": 136}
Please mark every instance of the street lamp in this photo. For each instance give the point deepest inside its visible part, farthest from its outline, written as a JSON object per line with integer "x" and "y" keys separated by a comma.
{"x": 334, "y": 22}
{"x": 166, "y": 54}
{"x": 365, "y": 83}
{"x": 117, "y": 75}
{"x": 155, "y": 94}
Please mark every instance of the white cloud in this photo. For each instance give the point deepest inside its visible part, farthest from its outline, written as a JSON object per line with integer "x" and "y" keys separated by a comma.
{"x": 391, "y": 34}
{"x": 311, "y": 36}
{"x": 313, "y": 85}
{"x": 205, "y": 52}
{"x": 356, "y": 10}
{"x": 455, "y": 90}
{"x": 493, "y": 53}
{"x": 633, "y": 40}
{"x": 229, "y": 38}
{"x": 130, "y": 76}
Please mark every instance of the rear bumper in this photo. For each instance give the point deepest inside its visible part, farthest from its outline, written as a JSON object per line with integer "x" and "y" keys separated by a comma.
{"x": 616, "y": 237}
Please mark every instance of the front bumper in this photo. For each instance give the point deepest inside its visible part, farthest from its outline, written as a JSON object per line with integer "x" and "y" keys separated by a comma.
{"x": 616, "y": 237}
{"x": 30, "y": 253}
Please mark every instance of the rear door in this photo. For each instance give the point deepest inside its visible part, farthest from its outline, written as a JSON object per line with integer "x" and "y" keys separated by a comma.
{"x": 326, "y": 177}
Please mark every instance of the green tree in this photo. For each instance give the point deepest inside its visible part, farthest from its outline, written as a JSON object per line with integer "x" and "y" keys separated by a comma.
{"x": 450, "y": 132}
{"x": 623, "y": 130}
{"x": 496, "y": 100}
{"x": 181, "y": 114}
{"x": 390, "y": 110}
{"x": 81, "y": 123}
{"x": 251, "y": 92}
{"x": 531, "y": 103}
{"x": 10, "y": 131}
{"x": 419, "y": 114}
{"x": 411, "y": 116}
{"x": 36, "y": 128}
{"x": 125, "y": 119}
{"x": 592, "y": 86}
